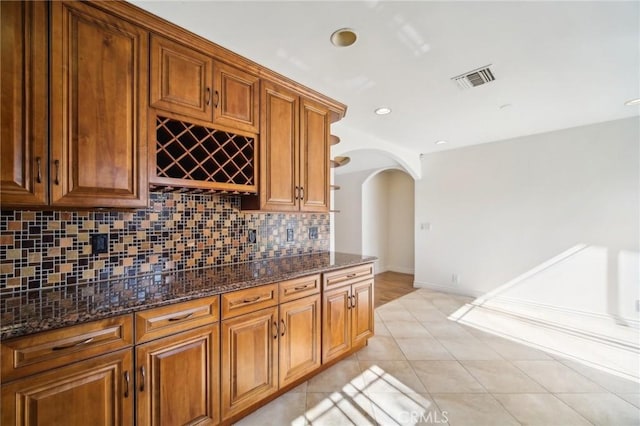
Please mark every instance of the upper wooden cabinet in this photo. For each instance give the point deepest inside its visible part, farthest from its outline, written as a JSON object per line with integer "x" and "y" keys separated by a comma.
{"x": 294, "y": 153}
{"x": 98, "y": 109}
{"x": 90, "y": 89}
{"x": 235, "y": 98}
{"x": 314, "y": 157}
{"x": 23, "y": 110}
{"x": 279, "y": 150}
{"x": 181, "y": 79}
{"x": 189, "y": 83}
{"x": 96, "y": 87}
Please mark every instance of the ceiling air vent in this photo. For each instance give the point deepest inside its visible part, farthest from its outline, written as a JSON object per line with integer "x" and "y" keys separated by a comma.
{"x": 474, "y": 78}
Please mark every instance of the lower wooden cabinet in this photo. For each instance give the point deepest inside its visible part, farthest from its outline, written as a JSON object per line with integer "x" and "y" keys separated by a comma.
{"x": 336, "y": 323}
{"x": 177, "y": 379}
{"x": 362, "y": 318}
{"x": 249, "y": 359}
{"x": 299, "y": 340}
{"x": 268, "y": 349}
{"x": 97, "y": 391}
{"x": 184, "y": 366}
{"x": 347, "y": 318}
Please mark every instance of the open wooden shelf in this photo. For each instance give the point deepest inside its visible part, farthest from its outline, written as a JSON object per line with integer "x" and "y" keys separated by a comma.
{"x": 340, "y": 161}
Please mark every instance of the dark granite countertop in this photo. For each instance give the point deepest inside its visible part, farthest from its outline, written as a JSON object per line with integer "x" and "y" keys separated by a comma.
{"x": 121, "y": 296}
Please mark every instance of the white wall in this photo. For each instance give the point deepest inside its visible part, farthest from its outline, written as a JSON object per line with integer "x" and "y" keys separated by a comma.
{"x": 347, "y": 224}
{"x": 401, "y": 227}
{"x": 375, "y": 219}
{"x": 553, "y": 218}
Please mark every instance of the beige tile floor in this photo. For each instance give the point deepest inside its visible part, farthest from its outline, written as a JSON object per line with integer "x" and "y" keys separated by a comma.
{"x": 422, "y": 368}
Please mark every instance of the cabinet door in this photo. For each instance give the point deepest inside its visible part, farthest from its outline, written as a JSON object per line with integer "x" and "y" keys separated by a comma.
{"x": 23, "y": 110}
{"x": 299, "y": 338}
{"x": 362, "y": 311}
{"x": 177, "y": 378}
{"x": 181, "y": 79}
{"x": 235, "y": 98}
{"x": 249, "y": 359}
{"x": 98, "y": 391}
{"x": 314, "y": 157}
{"x": 279, "y": 149}
{"x": 98, "y": 109}
{"x": 336, "y": 323}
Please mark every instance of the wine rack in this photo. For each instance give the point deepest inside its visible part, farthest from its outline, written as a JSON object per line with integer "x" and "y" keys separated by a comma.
{"x": 194, "y": 157}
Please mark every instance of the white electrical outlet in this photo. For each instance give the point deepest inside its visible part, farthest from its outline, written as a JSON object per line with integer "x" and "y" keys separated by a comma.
{"x": 425, "y": 226}
{"x": 455, "y": 278}
{"x": 638, "y": 305}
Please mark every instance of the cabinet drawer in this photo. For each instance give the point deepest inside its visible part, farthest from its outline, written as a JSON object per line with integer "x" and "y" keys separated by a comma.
{"x": 299, "y": 287}
{"x": 27, "y": 355}
{"x": 347, "y": 276}
{"x": 166, "y": 320}
{"x": 249, "y": 300}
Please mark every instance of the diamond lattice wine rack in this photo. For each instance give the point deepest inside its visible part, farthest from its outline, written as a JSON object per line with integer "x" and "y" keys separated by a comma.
{"x": 195, "y": 158}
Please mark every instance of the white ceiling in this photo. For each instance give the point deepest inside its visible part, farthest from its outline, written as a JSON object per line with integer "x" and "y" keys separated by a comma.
{"x": 558, "y": 64}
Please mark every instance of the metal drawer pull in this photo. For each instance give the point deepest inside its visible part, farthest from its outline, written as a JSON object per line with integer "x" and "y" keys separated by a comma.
{"x": 184, "y": 317}
{"x": 253, "y": 299}
{"x": 57, "y": 164}
{"x": 275, "y": 328}
{"x": 284, "y": 328}
{"x": 353, "y": 303}
{"x": 73, "y": 345}
{"x": 143, "y": 376}
{"x": 127, "y": 380}
{"x": 297, "y": 192}
{"x": 352, "y": 275}
{"x": 208, "y": 96}
{"x": 301, "y": 287}
{"x": 216, "y": 99}
{"x": 302, "y": 193}
{"x": 39, "y": 162}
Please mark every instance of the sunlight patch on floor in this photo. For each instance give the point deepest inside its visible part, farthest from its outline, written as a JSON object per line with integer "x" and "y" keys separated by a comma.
{"x": 383, "y": 400}
{"x": 610, "y": 357}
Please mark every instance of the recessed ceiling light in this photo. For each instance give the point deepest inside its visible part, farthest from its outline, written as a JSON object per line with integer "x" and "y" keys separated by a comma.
{"x": 632, "y": 102}
{"x": 343, "y": 37}
{"x": 440, "y": 142}
{"x": 382, "y": 110}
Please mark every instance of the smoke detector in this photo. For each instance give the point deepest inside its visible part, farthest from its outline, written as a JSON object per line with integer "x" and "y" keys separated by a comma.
{"x": 475, "y": 77}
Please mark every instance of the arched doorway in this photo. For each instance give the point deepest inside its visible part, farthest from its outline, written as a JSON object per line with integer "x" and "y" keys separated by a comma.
{"x": 388, "y": 220}
{"x": 375, "y": 211}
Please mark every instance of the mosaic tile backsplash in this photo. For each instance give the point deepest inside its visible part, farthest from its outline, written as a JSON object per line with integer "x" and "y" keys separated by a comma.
{"x": 41, "y": 249}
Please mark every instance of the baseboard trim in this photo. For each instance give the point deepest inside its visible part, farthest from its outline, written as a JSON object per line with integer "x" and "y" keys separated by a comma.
{"x": 448, "y": 289}
{"x": 401, "y": 269}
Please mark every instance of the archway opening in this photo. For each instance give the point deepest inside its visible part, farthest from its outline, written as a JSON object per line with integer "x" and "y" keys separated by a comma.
{"x": 388, "y": 220}
{"x": 375, "y": 210}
